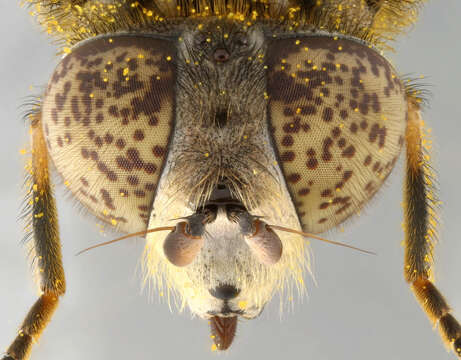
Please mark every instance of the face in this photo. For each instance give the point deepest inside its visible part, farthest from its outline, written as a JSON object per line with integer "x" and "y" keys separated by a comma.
{"x": 219, "y": 129}
{"x": 222, "y": 170}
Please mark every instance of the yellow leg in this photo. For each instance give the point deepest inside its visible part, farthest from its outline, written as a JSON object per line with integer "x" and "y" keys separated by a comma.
{"x": 46, "y": 246}
{"x": 420, "y": 224}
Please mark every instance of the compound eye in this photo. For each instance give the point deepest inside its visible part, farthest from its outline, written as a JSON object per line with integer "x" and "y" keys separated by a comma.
{"x": 264, "y": 243}
{"x": 108, "y": 116}
{"x": 337, "y": 113}
{"x": 180, "y": 247}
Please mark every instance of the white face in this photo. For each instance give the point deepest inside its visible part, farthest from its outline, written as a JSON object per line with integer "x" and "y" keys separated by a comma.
{"x": 226, "y": 277}
{"x": 229, "y": 259}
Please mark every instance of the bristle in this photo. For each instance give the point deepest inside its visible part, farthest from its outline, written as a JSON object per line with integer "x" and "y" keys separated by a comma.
{"x": 417, "y": 90}
{"x": 71, "y": 21}
{"x": 432, "y": 201}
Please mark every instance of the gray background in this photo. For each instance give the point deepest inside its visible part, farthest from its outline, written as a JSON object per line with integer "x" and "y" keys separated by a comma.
{"x": 361, "y": 308}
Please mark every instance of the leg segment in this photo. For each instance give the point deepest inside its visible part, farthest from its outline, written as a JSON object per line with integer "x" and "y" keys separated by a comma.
{"x": 46, "y": 248}
{"x": 420, "y": 232}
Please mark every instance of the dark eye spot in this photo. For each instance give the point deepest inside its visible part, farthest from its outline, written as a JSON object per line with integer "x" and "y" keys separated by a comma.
{"x": 241, "y": 40}
{"x": 221, "y": 55}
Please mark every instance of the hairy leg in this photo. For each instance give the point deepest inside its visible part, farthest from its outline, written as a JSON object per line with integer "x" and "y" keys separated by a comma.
{"x": 420, "y": 226}
{"x": 46, "y": 248}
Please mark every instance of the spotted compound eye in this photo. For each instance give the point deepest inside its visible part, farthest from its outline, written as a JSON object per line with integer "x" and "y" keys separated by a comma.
{"x": 337, "y": 114}
{"x": 108, "y": 118}
{"x": 180, "y": 247}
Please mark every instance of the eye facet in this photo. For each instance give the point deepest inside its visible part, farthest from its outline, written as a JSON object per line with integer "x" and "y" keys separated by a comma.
{"x": 337, "y": 114}
{"x": 108, "y": 119}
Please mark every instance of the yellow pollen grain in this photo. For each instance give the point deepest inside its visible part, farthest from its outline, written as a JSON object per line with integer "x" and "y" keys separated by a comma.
{"x": 298, "y": 110}
{"x": 214, "y": 347}
{"x": 67, "y": 50}
{"x": 206, "y": 154}
{"x": 23, "y": 151}
{"x": 157, "y": 77}
{"x": 126, "y": 71}
{"x": 113, "y": 222}
{"x": 340, "y": 48}
{"x": 226, "y": 36}
{"x": 306, "y": 49}
{"x": 111, "y": 40}
{"x": 356, "y": 109}
{"x": 109, "y": 62}
{"x": 297, "y": 42}
{"x": 91, "y": 95}
{"x": 242, "y": 304}
{"x": 105, "y": 79}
